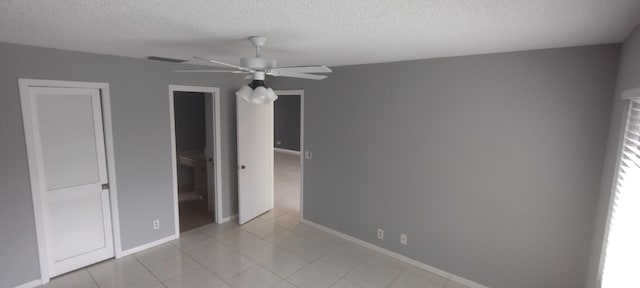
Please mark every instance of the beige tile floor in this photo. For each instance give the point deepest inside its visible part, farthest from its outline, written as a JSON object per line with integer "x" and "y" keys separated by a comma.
{"x": 274, "y": 250}
{"x": 287, "y": 181}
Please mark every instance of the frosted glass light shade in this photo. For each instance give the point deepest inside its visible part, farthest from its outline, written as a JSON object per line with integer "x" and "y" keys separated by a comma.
{"x": 260, "y": 95}
{"x": 245, "y": 93}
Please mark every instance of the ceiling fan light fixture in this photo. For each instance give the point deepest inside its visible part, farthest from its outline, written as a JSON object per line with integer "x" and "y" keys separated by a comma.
{"x": 245, "y": 92}
{"x": 257, "y": 93}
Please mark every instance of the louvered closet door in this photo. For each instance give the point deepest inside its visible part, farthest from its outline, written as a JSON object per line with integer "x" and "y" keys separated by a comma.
{"x": 70, "y": 146}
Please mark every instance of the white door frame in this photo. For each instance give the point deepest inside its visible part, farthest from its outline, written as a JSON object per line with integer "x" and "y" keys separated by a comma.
{"x": 217, "y": 164}
{"x": 36, "y": 172}
{"x": 301, "y": 93}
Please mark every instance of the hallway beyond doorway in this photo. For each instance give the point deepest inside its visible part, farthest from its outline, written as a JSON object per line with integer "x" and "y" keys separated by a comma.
{"x": 287, "y": 181}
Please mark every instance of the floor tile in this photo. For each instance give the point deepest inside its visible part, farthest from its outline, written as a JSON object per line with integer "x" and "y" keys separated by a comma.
{"x": 370, "y": 277}
{"x": 238, "y": 239}
{"x": 329, "y": 239}
{"x": 269, "y": 215}
{"x": 190, "y": 238}
{"x": 159, "y": 251}
{"x": 413, "y": 277}
{"x": 285, "y": 238}
{"x": 356, "y": 250}
{"x": 338, "y": 263}
{"x": 166, "y": 261}
{"x": 283, "y": 263}
{"x": 387, "y": 263}
{"x": 199, "y": 278}
{"x": 284, "y": 284}
{"x": 307, "y": 249}
{"x": 207, "y": 250}
{"x": 313, "y": 277}
{"x": 344, "y": 284}
{"x": 305, "y": 230}
{"x": 76, "y": 279}
{"x": 286, "y": 221}
{"x": 125, "y": 272}
{"x": 215, "y": 230}
{"x": 227, "y": 265}
{"x": 453, "y": 284}
{"x": 259, "y": 251}
{"x": 254, "y": 277}
{"x": 261, "y": 229}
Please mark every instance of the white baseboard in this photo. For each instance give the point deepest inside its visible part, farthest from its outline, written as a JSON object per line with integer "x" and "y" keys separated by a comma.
{"x": 146, "y": 246}
{"x": 227, "y": 219}
{"x": 287, "y": 151}
{"x": 400, "y": 257}
{"x": 32, "y": 284}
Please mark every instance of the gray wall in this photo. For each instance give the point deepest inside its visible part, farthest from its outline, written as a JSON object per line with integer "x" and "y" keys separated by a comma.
{"x": 491, "y": 164}
{"x": 140, "y": 110}
{"x": 628, "y": 78}
{"x": 286, "y": 122}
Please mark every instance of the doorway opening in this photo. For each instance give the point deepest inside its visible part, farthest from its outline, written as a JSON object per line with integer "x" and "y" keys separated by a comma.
{"x": 196, "y": 155}
{"x": 288, "y": 116}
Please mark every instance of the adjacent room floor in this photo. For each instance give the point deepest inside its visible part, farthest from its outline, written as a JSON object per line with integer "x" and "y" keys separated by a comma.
{"x": 287, "y": 181}
{"x": 194, "y": 213}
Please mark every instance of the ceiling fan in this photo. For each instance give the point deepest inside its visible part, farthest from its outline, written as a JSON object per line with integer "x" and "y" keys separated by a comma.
{"x": 257, "y": 68}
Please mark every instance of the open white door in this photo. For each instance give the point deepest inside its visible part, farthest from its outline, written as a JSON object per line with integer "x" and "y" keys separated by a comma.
{"x": 210, "y": 152}
{"x": 255, "y": 159}
{"x": 65, "y": 125}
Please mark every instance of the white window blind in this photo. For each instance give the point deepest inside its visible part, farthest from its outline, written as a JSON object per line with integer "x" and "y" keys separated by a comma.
{"x": 623, "y": 240}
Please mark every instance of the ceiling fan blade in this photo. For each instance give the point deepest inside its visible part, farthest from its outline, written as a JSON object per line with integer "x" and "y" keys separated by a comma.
{"x": 298, "y": 75}
{"x": 211, "y": 71}
{"x": 304, "y": 69}
{"x": 225, "y": 64}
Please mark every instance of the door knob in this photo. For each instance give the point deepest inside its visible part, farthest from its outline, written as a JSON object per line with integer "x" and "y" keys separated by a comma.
{"x": 210, "y": 159}
{"x": 243, "y": 167}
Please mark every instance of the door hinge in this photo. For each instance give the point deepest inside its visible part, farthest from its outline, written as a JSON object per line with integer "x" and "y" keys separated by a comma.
{"x": 105, "y": 186}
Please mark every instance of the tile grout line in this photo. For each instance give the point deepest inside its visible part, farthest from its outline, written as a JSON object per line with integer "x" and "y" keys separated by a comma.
{"x": 397, "y": 276}
{"x": 91, "y": 275}
{"x": 147, "y": 268}
{"x": 205, "y": 268}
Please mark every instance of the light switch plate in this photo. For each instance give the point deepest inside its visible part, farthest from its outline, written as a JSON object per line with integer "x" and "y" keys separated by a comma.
{"x": 308, "y": 155}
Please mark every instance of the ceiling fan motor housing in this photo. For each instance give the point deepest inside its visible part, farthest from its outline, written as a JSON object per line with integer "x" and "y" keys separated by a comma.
{"x": 260, "y": 64}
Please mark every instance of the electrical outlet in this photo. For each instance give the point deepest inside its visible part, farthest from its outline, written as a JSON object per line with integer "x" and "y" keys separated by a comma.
{"x": 403, "y": 239}
{"x": 380, "y": 233}
{"x": 156, "y": 224}
{"x": 278, "y": 142}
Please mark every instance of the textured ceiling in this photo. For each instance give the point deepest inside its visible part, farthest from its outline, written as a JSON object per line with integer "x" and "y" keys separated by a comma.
{"x": 330, "y": 32}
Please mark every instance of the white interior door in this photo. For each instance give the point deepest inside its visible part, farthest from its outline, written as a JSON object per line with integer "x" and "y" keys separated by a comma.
{"x": 69, "y": 141}
{"x": 209, "y": 150}
{"x": 255, "y": 159}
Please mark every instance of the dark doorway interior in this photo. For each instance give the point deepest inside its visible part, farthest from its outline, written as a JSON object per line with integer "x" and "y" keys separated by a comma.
{"x": 286, "y": 121}
{"x": 191, "y": 142}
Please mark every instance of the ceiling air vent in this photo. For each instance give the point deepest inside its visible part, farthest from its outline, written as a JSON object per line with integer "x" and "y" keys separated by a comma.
{"x": 166, "y": 59}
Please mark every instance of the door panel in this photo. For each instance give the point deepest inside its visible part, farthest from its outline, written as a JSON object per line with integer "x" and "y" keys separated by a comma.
{"x": 209, "y": 151}
{"x": 76, "y": 230}
{"x": 62, "y": 118}
{"x": 255, "y": 159}
{"x": 70, "y": 146}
